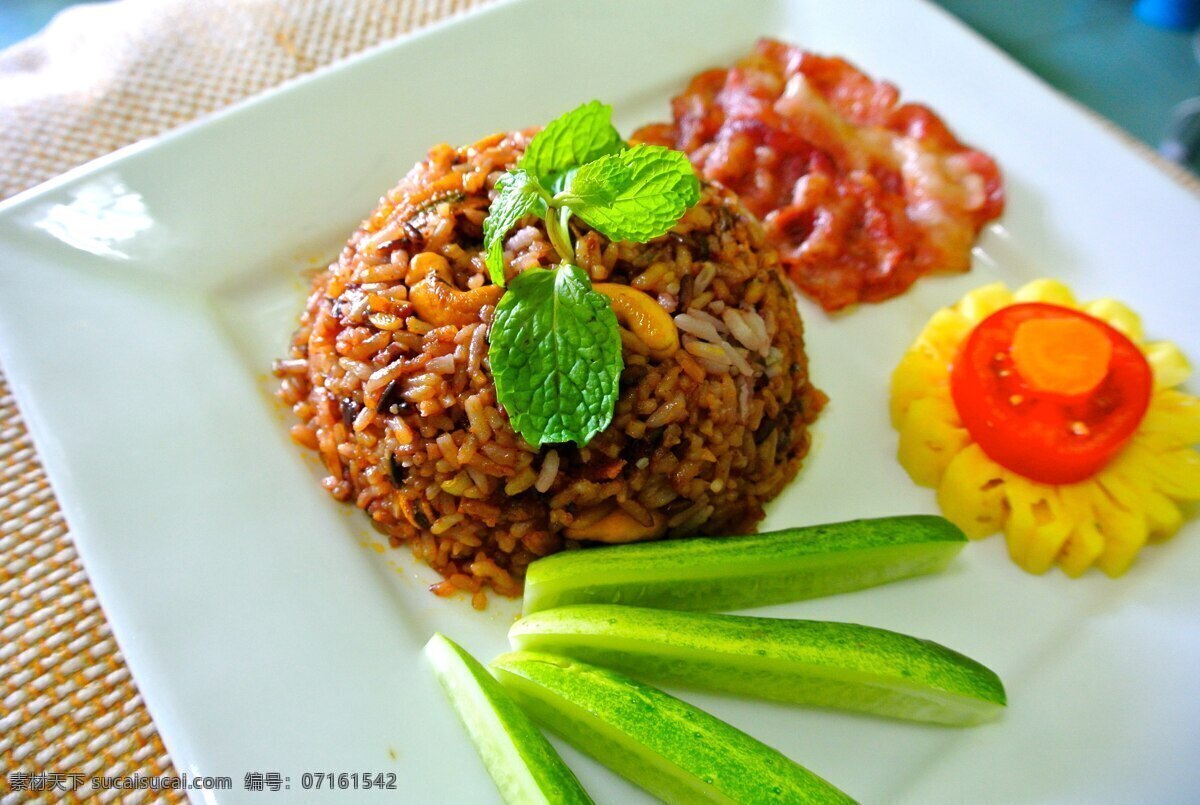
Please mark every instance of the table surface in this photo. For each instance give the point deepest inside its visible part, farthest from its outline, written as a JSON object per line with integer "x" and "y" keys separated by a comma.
{"x": 1096, "y": 51}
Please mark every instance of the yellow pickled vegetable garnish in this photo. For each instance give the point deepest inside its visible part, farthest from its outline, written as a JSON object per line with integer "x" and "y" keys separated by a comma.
{"x": 1102, "y": 520}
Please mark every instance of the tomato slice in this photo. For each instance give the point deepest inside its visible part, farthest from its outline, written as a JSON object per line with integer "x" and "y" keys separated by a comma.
{"x": 1058, "y": 407}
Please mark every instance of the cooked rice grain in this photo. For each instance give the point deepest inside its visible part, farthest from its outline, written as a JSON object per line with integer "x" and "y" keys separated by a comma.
{"x": 403, "y": 413}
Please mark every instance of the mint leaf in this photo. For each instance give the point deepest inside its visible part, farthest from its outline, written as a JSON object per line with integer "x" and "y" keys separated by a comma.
{"x": 555, "y": 356}
{"x": 558, "y": 182}
{"x": 579, "y": 136}
{"x": 634, "y": 195}
{"x": 518, "y": 194}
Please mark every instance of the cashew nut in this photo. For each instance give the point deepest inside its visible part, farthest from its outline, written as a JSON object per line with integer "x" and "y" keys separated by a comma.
{"x": 438, "y": 302}
{"x": 617, "y": 526}
{"x": 644, "y": 317}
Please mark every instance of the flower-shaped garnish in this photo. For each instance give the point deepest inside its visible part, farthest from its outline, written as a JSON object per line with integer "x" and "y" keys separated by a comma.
{"x": 1052, "y": 421}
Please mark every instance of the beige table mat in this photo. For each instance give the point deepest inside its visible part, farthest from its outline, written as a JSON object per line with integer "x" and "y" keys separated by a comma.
{"x": 101, "y": 77}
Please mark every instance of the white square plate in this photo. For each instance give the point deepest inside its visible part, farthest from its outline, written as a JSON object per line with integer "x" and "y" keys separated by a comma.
{"x": 144, "y": 296}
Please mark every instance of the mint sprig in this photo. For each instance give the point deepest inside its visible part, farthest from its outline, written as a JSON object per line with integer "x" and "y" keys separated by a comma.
{"x": 555, "y": 343}
{"x": 556, "y": 353}
{"x": 576, "y": 138}
{"x": 634, "y": 195}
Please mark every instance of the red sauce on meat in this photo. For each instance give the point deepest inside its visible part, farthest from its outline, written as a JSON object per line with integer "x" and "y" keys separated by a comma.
{"x": 861, "y": 195}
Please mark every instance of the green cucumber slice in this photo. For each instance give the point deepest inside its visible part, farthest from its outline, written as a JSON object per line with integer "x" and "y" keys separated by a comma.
{"x": 720, "y": 573}
{"x": 522, "y": 763}
{"x": 839, "y": 665}
{"x": 668, "y": 747}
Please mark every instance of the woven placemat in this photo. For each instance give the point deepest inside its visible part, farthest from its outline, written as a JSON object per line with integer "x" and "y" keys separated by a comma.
{"x": 101, "y": 77}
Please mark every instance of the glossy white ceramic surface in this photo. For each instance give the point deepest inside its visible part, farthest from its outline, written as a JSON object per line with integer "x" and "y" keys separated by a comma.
{"x": 143, "y": 297}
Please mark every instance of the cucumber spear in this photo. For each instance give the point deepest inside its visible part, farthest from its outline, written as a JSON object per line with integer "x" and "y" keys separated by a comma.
{"x": 838, "y": 665}
{"x": 723, "y": 573}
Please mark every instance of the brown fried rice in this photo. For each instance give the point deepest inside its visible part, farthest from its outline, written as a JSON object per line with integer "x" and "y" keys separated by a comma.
{"x": 397, "y": 398}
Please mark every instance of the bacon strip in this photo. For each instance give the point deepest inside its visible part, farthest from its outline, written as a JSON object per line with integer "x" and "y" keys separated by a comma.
{"x": 862, "y": 196}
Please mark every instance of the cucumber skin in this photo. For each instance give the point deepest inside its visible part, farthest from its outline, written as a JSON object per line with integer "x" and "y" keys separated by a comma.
{"x": 840, "y": 665}
{"x": 553, "y": 779}
{"x": 675, "y": 751}
{"x": 723, "y": 573}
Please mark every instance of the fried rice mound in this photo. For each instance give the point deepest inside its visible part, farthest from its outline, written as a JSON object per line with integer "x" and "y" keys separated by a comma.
{"x": 389, "y": 377}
